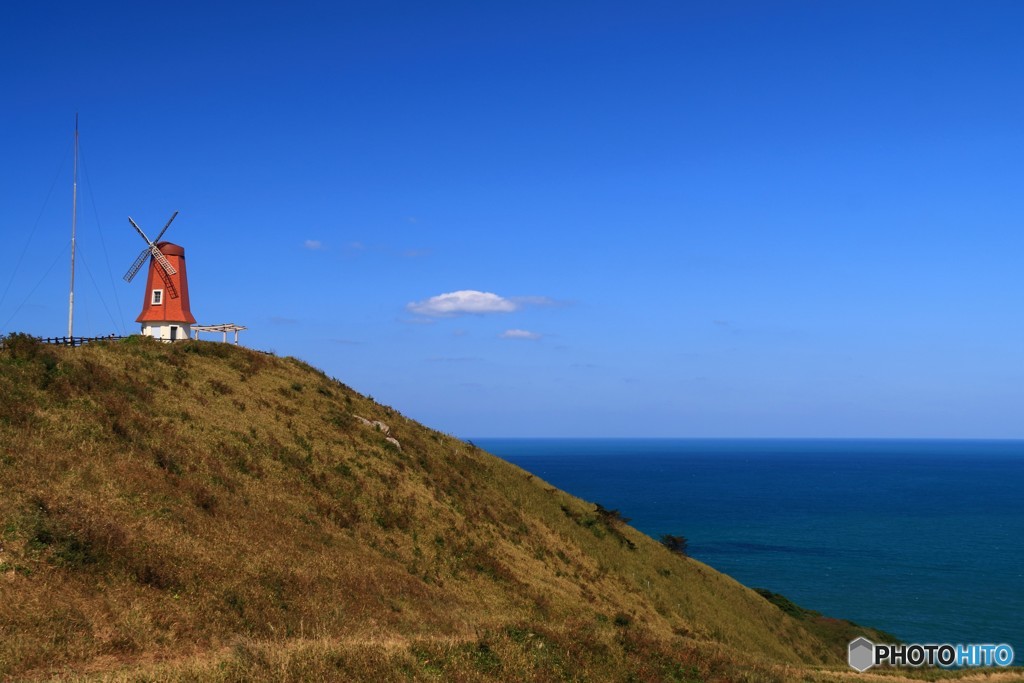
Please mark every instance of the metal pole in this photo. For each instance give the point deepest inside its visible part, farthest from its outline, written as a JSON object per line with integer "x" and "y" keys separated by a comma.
{"x": 74, "y": 219}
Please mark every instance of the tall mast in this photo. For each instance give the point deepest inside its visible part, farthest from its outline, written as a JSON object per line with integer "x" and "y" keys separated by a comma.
{"x": 74, "y": 219}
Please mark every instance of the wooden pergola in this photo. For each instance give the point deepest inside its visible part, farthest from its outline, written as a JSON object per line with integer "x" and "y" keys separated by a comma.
{"x": 223, "y": 327}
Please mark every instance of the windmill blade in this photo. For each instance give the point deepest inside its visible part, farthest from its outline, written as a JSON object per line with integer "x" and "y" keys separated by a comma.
{"x": 137, "y": 265}
{"x": 168, "y": 283}
{"x": 165, "y": 227}
{"x": 162, "y": 260}
{"x": 138, "y": 230}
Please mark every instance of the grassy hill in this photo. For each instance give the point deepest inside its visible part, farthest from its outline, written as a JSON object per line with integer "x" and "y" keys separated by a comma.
{"x": 203, "y": 511}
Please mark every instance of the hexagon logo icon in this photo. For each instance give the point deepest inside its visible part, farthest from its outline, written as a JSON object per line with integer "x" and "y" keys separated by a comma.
{"x": 862, "y": 654}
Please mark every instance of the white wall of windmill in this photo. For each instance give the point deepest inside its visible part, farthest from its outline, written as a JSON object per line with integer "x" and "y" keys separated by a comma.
{"x": 167, "y": 331}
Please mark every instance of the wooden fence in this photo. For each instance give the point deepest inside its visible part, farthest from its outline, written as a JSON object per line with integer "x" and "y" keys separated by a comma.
{"x": 72, "y": 341}
{"x": 78, "y": 341}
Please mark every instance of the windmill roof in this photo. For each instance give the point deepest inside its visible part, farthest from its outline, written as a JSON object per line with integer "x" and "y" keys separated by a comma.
{"x": 170, "y": 249}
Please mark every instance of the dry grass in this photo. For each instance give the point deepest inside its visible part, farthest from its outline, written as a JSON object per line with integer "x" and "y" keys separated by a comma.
{"x": 200, "y": 511}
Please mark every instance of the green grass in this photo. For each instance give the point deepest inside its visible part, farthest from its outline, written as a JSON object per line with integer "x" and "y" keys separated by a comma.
{"x": 202, "y": 511}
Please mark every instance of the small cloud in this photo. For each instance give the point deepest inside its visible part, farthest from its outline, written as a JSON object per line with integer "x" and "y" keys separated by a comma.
{"x": 313, "y": 245}
{"x": 462, "y": 302}
{"x": 536, "y": 301}
{"x": 519, "y": 334}
{"x": 459, "y": 332}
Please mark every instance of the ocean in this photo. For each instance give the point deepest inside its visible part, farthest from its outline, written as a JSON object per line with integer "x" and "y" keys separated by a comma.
{"x": 923, "y": 539}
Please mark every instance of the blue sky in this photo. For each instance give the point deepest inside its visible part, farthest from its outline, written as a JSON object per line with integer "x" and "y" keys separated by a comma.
{"x": 549, "y": 219}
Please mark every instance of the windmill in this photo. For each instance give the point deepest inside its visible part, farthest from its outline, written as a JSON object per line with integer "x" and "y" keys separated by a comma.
{"x": 166, "y": 269}
{"x": 165, "y": 308}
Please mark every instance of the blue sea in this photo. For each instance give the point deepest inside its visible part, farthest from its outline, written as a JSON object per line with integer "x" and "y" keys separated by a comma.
{"x": 924, "y": 539}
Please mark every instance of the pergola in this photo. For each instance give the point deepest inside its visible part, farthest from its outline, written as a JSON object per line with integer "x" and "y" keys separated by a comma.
{"x": 223, "y": 327}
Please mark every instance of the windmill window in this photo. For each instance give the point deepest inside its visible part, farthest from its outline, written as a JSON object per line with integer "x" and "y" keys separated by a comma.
{"x": 158, "y": 297}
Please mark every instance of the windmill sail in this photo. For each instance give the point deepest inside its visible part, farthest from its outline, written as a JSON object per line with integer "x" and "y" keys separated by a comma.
{"x": 172, "y": 291}
{"x": 137, "y": 265}
{"x": 154, "y": 251}
{"x": 164, "y": 263}
{"x": 175, "y": 215}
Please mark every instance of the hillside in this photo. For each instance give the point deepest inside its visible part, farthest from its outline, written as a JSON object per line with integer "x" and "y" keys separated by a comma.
{"x": 199, "y": 510}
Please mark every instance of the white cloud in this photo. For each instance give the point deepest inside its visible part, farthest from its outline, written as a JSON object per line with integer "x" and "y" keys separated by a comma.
{"x": 520, "y": 334}
{"x": 536, "y": 301}
{"x": 462, "y": 302}
{"x": 313, "y": 245}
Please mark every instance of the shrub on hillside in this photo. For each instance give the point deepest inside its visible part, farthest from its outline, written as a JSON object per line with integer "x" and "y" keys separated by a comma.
{"x": 676, "y": 544}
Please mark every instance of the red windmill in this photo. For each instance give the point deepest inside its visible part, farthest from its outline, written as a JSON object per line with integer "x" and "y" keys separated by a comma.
{"x": 165, "y": 310}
